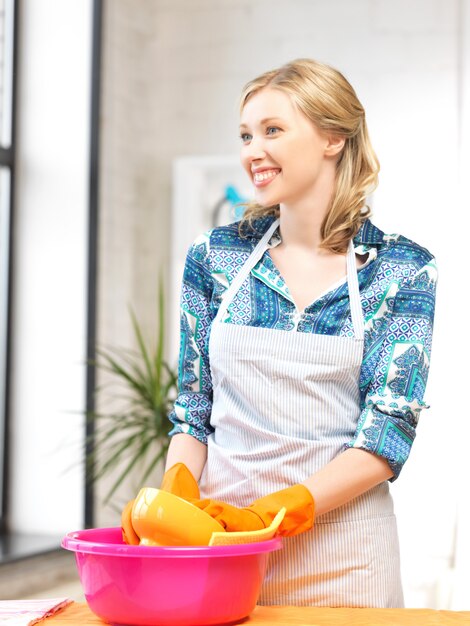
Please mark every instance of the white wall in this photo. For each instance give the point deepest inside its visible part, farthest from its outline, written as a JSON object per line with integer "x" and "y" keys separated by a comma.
{"x": 178, "y": 67}
{"x": 49, "y": 307}
{"x": 460, "y": 575}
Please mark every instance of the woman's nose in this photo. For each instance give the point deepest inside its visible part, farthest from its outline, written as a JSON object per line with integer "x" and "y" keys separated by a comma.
{"x": 255, "y": 150}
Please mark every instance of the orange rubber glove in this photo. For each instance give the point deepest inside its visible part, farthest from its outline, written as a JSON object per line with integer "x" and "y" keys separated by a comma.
{"x": 177, "y": 480}
{"x": 297, "y": 500}
{"x": 128, "y": 533}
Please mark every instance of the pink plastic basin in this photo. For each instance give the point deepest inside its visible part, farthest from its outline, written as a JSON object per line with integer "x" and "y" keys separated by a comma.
{"x": 168, "y": 586}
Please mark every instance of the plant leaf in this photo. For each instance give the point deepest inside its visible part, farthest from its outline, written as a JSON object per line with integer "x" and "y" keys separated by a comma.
{"x": 139, "y": 453}
{"x": 135, "y": 400}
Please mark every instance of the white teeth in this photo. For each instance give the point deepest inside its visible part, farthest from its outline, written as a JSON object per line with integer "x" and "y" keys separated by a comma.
{"x": 259, "y": 177}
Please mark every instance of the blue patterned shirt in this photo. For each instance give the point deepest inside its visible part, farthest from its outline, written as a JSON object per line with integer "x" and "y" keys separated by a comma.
{"x": 397, "y": 287}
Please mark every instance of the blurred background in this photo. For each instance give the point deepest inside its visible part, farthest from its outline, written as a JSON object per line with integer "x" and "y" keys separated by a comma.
{"x": 119, "y": 145}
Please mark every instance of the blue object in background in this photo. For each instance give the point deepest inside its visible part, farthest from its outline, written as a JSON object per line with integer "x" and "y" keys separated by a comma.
{"x": 235, "y": 200}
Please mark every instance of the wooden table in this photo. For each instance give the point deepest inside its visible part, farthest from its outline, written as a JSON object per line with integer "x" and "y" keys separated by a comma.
{"x": 80, "y": 615}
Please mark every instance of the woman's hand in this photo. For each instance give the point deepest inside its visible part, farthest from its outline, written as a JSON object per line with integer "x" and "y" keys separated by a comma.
{"x": 179, "y": 481}
{"x": 128, "y": 534}
{"x": 297, "y": 500}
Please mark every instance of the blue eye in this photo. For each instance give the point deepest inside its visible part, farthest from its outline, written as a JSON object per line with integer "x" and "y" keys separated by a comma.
{"x": 272, "y": 130}
{"x": 245, "y": 137}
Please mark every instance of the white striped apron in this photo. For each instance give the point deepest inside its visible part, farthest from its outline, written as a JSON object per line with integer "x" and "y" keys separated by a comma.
{"x": 284, "y": 405}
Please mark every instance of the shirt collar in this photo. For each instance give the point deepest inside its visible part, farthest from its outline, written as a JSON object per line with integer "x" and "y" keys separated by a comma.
{"x": 258, "y": 227}
{"x": 369, "y": 234}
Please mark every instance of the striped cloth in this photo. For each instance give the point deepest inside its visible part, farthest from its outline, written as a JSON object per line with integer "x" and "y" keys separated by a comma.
{"x": 29, "y": 612}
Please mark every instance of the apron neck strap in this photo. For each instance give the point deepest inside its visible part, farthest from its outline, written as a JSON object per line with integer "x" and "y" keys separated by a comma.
{"x": 354, "y": 294}
{"x": 353, "y": 283}
{"x": 245, "y": 270}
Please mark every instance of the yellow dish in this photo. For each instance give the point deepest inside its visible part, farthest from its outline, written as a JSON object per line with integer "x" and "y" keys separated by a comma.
{"x": 248, "y": 536}
{"x": 160, "y": 518}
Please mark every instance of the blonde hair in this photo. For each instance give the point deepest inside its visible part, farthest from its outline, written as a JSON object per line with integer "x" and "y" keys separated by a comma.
{"x": 325, "y": 96}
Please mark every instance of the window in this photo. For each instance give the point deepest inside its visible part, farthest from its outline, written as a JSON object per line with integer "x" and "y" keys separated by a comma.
{"x": 7, "y": 73}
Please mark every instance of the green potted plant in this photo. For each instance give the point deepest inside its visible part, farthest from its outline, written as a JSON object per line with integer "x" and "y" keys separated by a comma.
{"x": 131, "y": 435}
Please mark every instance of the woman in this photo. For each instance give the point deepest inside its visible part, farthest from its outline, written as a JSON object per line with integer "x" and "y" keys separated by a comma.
{"x": 306, "y": 335}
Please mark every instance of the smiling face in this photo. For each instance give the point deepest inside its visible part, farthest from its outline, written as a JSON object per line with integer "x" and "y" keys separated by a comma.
{"x": 287, "y": 158}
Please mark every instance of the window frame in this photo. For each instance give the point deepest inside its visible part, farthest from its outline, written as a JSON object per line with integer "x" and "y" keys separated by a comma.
{"x": 7, "y": 161}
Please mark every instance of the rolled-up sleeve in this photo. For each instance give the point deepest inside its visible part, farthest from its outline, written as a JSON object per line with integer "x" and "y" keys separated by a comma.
{"x": 398, "y": 356}
{"x": 192, "y": 408}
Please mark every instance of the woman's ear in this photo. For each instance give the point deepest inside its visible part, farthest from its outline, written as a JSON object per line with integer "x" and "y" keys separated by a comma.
{"x": 335, "y": 143}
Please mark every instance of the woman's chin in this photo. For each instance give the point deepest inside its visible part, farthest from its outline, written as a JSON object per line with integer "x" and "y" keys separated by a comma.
{"x": 266, "y": 200}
